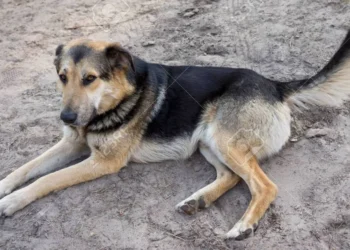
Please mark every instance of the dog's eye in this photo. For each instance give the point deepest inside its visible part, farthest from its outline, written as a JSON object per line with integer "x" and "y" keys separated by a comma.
{"x": 89, "y": 79}
{"x": 63, "y": 78}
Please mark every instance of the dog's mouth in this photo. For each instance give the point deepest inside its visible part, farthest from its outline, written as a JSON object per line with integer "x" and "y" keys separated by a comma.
{"x": 81, "y": 123}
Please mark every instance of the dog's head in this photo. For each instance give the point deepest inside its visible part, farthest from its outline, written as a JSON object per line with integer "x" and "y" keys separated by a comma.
{"x": 94, "y": 77}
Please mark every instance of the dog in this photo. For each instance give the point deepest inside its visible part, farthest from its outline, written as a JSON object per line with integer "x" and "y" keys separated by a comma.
{"x": 117, "y": 108}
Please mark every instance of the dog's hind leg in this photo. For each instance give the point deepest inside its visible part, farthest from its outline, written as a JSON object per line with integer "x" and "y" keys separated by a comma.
{"x": 65, "y": 151}
{"x": 244, "y": 163}
{"x": 225, "y": 180}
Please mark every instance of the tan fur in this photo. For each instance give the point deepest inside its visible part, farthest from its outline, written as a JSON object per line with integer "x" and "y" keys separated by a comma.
{"x": 225, "y": 180}
{"x": 71, "y": 147}
{"x": 99, "y": 95}
{"x": 210, "y": 112}
{"x": 115, "y": 92}
{"x": 262, "y": 189}
{"x": 331, "y": 90}
{"x": 109, "y": 151}
{"x": 101, "y": 45}
{"x": 262, "y": 127}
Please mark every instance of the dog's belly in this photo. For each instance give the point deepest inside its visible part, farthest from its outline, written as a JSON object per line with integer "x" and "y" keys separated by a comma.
{"x": 154, "y": 150}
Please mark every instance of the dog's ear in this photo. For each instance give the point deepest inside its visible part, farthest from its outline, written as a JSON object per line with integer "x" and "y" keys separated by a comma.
{"x": 58, "y": 54}
{"x": 59, "y": 50}
{"x": 119, "y": 57}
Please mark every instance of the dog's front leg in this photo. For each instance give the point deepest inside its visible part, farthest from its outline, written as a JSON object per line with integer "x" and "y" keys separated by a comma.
{"x": 70, "y": 148}
{"x": 89, "y": 169}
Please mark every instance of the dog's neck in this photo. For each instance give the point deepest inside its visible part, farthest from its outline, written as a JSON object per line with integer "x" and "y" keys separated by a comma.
{"x": 114, "y": 118}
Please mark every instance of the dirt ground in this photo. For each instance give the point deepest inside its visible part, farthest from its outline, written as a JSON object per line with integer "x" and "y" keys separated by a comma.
{"x": 135, "y": 208}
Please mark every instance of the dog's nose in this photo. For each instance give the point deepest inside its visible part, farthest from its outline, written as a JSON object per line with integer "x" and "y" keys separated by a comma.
{"x": 68, "y": 116}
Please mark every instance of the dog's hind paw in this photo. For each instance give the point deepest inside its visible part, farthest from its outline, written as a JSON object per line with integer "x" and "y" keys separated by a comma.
{"x": 241, "y": 231}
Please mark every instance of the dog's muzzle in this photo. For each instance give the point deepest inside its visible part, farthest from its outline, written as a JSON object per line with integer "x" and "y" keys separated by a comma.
{"x": 68, "y": 116}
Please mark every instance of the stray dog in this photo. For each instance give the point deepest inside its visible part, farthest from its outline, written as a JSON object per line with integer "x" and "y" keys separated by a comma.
{"x": 118, "y": 108}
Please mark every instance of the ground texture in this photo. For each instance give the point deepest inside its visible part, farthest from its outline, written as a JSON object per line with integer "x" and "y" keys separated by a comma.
{"x": 135, "y": 209}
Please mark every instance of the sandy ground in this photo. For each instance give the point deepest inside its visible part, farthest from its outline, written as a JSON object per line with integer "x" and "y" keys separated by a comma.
{"x": 135, "y": 208}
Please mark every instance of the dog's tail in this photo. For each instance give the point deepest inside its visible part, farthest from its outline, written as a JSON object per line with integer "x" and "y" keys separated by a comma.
{"x": 329, "y": 87}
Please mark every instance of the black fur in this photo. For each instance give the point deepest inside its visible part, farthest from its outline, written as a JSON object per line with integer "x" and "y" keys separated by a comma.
{"x": 119, "y": 57}
{"x": 339, "y": 57}
{"x": 189, "y": 88}
{"x": 121, "y": 114}
{"x": 187, "y": 96}
{"x": 58, "y": 54}
{"x": 79, "y": 52}
{"x": 59, "y": 50}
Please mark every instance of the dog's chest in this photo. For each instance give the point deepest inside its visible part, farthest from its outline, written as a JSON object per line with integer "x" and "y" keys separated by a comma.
{"x": 161, "y": 150}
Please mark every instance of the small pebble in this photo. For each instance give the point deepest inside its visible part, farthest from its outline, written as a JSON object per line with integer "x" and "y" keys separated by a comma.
{"x": 190, "y": 12}
{"x": 148, "y": 44}
{"x": 317, "y": 132}
{"x": 294, "y": 139}
{"x": 218, "y": 231}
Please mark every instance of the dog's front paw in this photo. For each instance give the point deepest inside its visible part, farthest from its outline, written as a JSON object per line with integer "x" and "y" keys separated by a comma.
{"x": 241, "y": 231}
{"x": 191, "y": 205}
{"x": 5, "y": 188}
{"x": 12, "y": 203}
